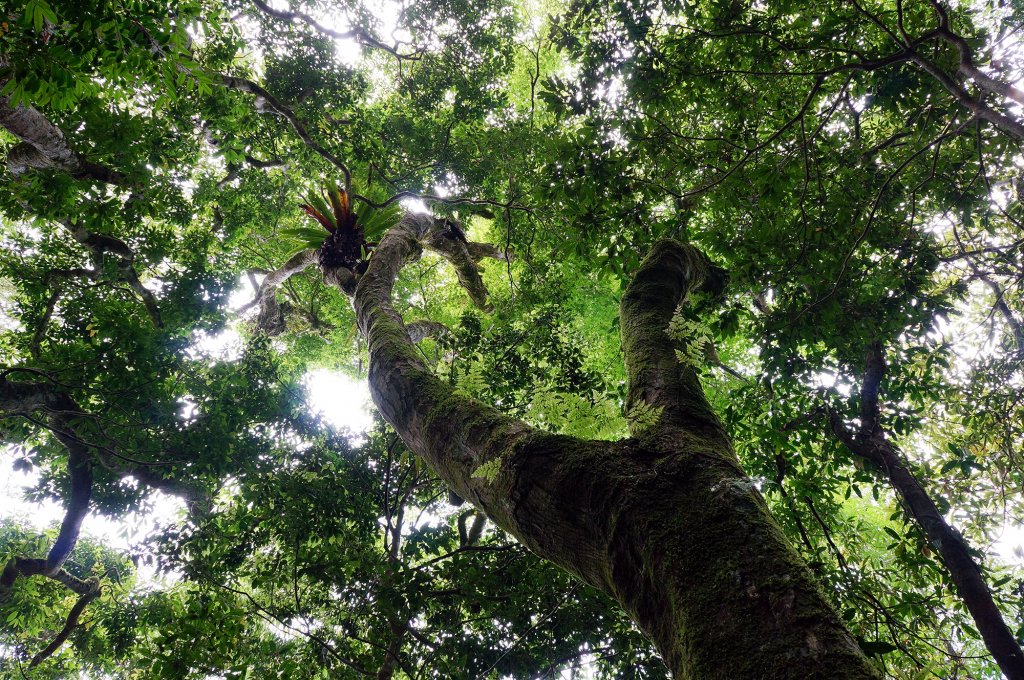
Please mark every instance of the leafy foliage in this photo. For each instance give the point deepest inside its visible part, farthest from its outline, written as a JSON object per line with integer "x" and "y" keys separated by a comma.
{"x": 852, "y": 195}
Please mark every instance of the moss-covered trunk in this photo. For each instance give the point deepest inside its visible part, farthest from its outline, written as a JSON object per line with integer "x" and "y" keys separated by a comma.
{"x": 665, "y": 522}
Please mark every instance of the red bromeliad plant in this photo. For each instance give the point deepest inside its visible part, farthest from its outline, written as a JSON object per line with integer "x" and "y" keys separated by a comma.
{"x": 346, "y": 243}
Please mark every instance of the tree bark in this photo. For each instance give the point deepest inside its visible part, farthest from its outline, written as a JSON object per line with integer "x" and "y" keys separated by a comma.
{"x": 666, "y": 523}
{"x": 871, "y": 443}
{"x": 43, "y": 145}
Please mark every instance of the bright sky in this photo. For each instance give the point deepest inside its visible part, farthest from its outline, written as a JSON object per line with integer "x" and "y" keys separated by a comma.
{"x": 343, "y": 401}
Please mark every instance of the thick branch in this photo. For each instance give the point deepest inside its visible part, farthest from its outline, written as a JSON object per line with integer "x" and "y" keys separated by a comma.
{"x": 420, "y": 330}
{"x": 80, "y": 468}
{"x": 977, "y": 108}
{"x": 450, "y": 242}
{"x": 271, "y": 316}
{"x": 967, "y": 66}
{"x": 34, "y": 566}
{"x": 679, "y": 537}
{"x": 657, "y": 379}
{"x": 394, "y": 648}
{"x": 874, "y": 371}
{"x": 404, "y": 388}
{"x": 43, "y": 146}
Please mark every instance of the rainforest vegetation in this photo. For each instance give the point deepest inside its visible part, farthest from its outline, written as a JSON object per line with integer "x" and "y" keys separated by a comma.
{"x": 694, "y": 329}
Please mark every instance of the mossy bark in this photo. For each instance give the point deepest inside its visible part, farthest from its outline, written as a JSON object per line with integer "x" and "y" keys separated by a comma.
{"x": 666, "y": 523}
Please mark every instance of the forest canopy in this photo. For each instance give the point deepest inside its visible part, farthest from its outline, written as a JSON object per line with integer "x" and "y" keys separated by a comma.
{"x": 695, "y": 332}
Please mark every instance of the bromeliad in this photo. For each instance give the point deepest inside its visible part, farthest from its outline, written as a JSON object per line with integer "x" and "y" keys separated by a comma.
{"x": 345, "y": 244}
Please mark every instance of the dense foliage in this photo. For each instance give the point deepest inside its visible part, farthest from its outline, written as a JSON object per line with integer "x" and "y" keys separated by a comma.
{"x": 855, "y": 166}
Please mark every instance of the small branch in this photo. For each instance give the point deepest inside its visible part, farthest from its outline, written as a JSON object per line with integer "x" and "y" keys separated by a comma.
{"x": 265, "y": 98}
{"x": 1016, "y": 327}
{"x": 253, "y": 162}
{"x": 69, "y": 625}
{"x": 359, "y": 34}
{"x": 433, "y": 198}
{"x": 101, "y": 244}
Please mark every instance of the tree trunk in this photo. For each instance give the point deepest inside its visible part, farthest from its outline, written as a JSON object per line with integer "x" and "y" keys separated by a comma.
{"x": 665, "y": 522}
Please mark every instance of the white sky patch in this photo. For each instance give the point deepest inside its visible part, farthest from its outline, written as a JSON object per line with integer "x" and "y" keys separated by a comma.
{"x": 245, "y": 293}
{"x": 343, "y": 401}
{"x": 1009, "y": 547}
{"x": 416, "y": 205}
{"x": 224, "y": 346}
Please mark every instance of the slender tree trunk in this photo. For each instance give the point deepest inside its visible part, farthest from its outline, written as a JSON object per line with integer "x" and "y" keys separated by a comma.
{"x": 665, "y": 522}
{"x": 871, "y": 443}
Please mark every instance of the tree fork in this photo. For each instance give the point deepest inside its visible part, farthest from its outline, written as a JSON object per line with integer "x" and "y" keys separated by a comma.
{"x": 667, "y": 524}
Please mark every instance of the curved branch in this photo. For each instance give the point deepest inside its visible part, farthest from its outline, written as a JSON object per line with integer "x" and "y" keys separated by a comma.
{"x": 34, "y": 566}
{"x": 265, "y": 98}
{"x": 967, "y": 66}
{"x": 69, "y": 625}
{"x": 469, "y": 434}
{"x": 101, "y": 244}
{"x": 657, "y": 379}
{"x": 356, "y": 33}
{"x": 652, "y": 527}
{"x": 271, "y": 315}
{"x": 80, "y": 468}
{"x": 18, "y": 398}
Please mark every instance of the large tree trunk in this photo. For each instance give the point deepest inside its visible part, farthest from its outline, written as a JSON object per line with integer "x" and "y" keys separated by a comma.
{"x": 665, "y": 522}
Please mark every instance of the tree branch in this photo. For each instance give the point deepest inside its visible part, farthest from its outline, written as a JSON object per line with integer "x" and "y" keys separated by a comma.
{"x": 69, "y": 625}
{"x": 19, "y": 398}
{"x": 657, "y": 379}
{"x": 979, "y": 109}
{"x": 265, "y": 98}
{"x": 872, "y": 444}
{"x": 80, "y": 468}
{"x": 101, "y": 244}
{"x": 874, "y": 371}
{"x": 43, "y": 145}
{"x": 420, "y": 330}
{"x": 271, "y": 315}
{"x": 967, "y": 66}
{"x": 356, "y": 33}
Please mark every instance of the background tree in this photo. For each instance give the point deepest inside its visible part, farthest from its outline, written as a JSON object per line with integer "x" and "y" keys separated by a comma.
{"x": 852, "y": 167}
